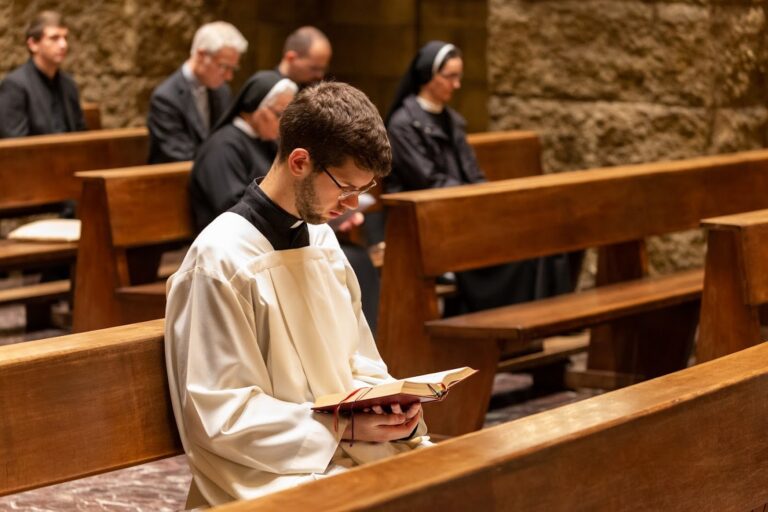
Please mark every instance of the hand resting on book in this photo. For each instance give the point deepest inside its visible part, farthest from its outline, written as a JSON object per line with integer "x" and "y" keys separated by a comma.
{"x": 378, "y": 426}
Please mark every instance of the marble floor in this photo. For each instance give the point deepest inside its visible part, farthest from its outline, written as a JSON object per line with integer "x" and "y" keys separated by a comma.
{"x": 162, "y": 485}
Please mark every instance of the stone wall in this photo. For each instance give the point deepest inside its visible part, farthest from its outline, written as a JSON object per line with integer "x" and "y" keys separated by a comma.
{"x": 121, "y": 49}
{"x": 610, "y": 82}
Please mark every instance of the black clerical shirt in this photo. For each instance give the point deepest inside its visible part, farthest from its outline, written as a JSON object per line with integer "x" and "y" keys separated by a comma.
{"x": 55, "y": 100}
{"x": 283, "y": 230}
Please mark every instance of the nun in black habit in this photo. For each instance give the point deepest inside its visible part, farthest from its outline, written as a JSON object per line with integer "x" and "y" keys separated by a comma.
{"x": 241, "y": 147}
{"x": 430, "y": 150}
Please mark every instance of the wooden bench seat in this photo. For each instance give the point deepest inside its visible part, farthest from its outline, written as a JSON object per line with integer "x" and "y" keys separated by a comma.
{"x": 16, "y": 254}
{"x": 553, "y": 350}
{"x": 39, "y": 292}
{"x": 691, "y": 440}
{"x": 646, "y": 327}
{"x": 524, "y": 322}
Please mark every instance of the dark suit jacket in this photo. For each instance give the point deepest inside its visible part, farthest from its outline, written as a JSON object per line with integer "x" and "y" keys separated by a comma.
{"x": 25, "y": 103}
{"x": 175, "y": 127}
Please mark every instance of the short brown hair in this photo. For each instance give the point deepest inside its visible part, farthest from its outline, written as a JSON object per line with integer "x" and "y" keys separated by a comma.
{"x": 334, "y": 121}
{"x": 42, "y": 20}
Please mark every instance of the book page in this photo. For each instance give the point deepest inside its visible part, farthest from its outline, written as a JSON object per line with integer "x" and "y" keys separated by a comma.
{"x": 439, "y": 377}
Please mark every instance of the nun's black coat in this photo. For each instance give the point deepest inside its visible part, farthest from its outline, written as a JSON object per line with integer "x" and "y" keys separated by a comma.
{"x": 227, "y": 162}
{"x": 431, "y": 151}
{"x": 424, "y": 155}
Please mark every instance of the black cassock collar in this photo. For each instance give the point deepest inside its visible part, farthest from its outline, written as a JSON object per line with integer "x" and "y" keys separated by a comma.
{"x": 283, "y": 230}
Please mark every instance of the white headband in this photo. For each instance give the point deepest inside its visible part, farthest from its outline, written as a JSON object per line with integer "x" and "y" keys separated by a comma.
{"x": 440, "y": 57}
{"x": 286, "y": 84}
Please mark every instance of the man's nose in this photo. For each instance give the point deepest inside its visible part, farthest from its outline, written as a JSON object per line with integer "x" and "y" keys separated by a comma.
{"x": 351, "y": 202}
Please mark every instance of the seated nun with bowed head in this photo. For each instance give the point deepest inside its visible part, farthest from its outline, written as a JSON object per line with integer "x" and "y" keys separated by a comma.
{"x": 241, "y": 148}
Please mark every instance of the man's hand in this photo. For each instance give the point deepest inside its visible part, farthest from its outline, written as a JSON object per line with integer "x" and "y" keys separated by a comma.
{"x": 355, "y": 219}
{"x": 380, "y": 427}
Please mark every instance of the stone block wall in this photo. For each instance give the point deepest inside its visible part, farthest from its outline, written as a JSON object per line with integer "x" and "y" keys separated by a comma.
{"x": 119, "y": 49}
{"x": 609, "y": 82}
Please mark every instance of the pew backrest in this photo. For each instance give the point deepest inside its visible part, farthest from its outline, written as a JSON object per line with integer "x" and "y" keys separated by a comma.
{"x": 735, "y": 283}
{"x": 691, "y": 440}
{"x": 92, "y": 115}
{"x": 39, "y": 170}
{"x": 83, "y": 404}
{"x": 128, "y": 217}
{"x": 507, "y": 154}
{"x": 435, "y": 231}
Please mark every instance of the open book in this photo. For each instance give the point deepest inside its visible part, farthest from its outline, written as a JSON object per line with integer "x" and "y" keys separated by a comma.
{"x": 422, "y": 388}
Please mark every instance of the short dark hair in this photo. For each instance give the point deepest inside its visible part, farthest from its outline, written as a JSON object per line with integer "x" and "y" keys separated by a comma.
{"x": 301, "y": 39}
{"x": 42, "y": 20}
{"x": 334, "y": 121}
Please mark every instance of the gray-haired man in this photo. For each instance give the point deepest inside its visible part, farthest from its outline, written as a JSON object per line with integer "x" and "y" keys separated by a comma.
{"x": 184, "y": 107}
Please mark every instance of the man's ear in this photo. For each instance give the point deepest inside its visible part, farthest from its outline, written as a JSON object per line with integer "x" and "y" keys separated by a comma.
{"x": 291, "y": 55}
{"x": 32, "y": 45}
{"x": 198, "y": 57}
{"x": 300, "y": 163}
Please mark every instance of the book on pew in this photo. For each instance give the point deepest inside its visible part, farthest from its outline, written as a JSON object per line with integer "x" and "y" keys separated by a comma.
{"x": 432, "y": 387}
{"x": 48, "y": 230}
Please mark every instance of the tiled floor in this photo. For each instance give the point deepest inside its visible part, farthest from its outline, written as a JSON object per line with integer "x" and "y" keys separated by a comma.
{"x": 162, "y": 485}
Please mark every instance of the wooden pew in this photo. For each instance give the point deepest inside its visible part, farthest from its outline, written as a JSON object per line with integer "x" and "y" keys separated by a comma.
{"x": 507, "y": 154}
{"x": 38, "y": 172}
{"x": 130, "y": 216}
{"x": 692, "y": 440}
{"x": 93, "y": 402}
{"x": 83, "y": 404}
{"x": 92, "y": 115}
{"x": 652, "y": 320}
{"x": 501, "y": 155}
{"x": 735, "y": 284}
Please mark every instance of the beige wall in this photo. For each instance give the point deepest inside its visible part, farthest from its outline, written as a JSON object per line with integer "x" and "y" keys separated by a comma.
{"x": 121, "y": 49}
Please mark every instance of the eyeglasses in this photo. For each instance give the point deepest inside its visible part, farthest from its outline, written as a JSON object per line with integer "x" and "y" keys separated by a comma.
{"x": 347, "y": 192}
{"x": 452, "y": 77}
{"x": 222, "y": 65}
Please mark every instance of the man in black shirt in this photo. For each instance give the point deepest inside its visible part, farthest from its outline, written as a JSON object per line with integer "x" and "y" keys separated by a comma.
{"x": 38, "y": 98}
